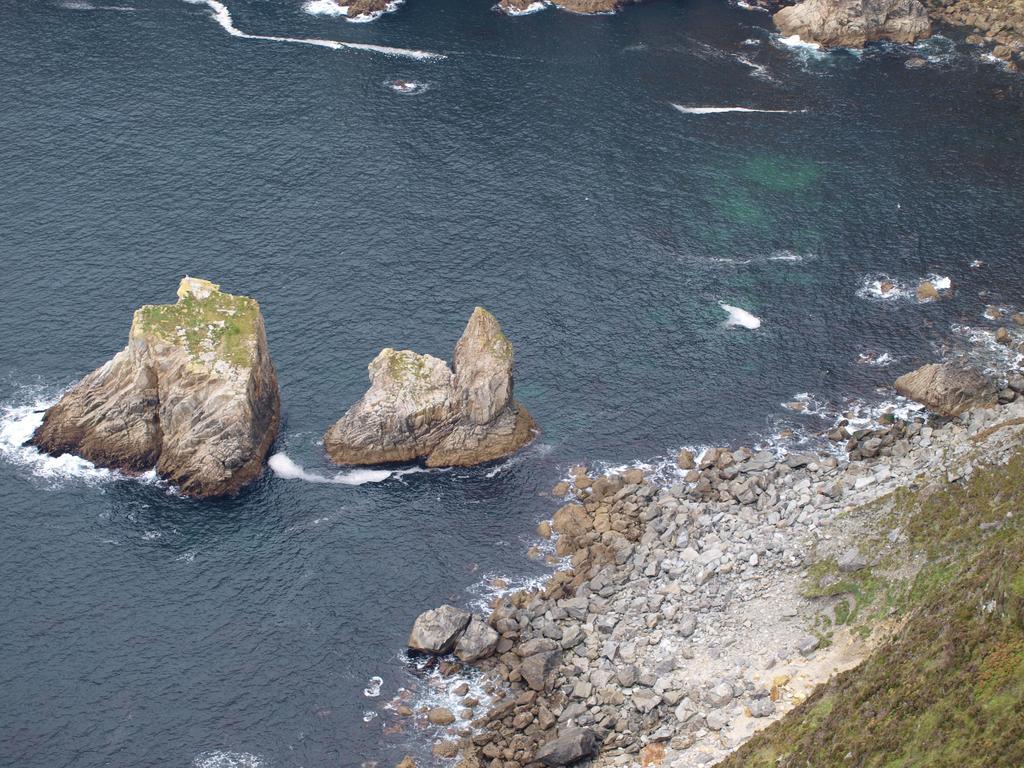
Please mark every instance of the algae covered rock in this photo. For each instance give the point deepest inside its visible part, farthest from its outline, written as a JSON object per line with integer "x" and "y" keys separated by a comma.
{"x": 194, "y": 394}
{"x": 419, "y": 408}
{"x": 854, "y": 23}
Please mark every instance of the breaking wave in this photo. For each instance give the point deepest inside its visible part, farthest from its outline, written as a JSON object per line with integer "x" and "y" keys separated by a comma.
{"x": 226, "y": 759}
{"x": 19, "y": 422}
{"x": 222, "y": 16}
{"x": 283, "y": 466}
{"x": 740, "y": 317}
{"x": 718, "y": 110}
{"x": 333, "y": 8}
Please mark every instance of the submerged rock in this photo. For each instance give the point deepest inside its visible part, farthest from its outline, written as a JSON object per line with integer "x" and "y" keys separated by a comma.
{"x": 853, "y": 23}
{"x": 418, "y": 408}
{"x": 194, "y": 394}
{"x": 948, "y": 389}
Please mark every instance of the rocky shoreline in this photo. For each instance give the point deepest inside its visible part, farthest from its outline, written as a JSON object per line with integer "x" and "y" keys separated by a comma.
{"x": 692, "y": 615}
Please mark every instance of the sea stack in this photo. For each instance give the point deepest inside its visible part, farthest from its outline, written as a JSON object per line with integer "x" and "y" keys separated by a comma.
{"x": 419, "y": 408}
{"x": 854, "y": 23}
{"x": 194, "y": 394}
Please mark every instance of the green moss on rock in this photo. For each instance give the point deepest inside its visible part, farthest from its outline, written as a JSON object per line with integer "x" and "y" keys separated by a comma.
{"x": 208, "y": 324}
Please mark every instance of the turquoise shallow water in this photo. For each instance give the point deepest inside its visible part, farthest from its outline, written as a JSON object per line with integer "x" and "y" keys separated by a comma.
{"x": 541, "y": 172}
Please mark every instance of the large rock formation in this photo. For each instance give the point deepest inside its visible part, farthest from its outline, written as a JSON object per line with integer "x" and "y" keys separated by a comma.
{"x": 853, "y": 23}
{"x": 194, "y": 394}
{"x": 948, "y": 389}
{"x": 418, "y": 408}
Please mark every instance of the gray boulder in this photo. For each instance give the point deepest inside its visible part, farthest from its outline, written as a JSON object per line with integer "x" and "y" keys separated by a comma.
{"x": 571, "y": 746}
{"x": 948, "y": 389}
{"x": 477, "y": 642}
{"x": 437, "y": 630}
{"x": 539, "y": 669}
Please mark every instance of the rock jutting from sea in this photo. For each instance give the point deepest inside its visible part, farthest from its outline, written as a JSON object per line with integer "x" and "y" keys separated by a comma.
{"x": 693, "y": 614}
{"x": 193, "y": 395}
{"x": 419, "y": 408}
{"x": 854, "y": 23}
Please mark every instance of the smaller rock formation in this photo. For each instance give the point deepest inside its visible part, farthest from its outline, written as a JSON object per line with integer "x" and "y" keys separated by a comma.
{"x": 948, "y": 389}
{"x": 418, "y": 408}
{"x": 194, "y": 394}
{"x": 853, "y": 23}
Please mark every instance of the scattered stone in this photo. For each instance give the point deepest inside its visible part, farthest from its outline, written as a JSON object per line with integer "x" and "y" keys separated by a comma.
{"x": 446, "y": 749}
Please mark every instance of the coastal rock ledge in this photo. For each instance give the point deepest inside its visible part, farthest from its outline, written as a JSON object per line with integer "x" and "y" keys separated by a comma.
{"x": 194, "y": 394}
{"x": 419, "y": 408}
{"x": 854, "y": 23}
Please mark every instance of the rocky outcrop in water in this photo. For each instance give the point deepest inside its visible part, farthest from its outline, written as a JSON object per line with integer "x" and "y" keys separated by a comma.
{"x": 948, "y": 389}
{"x": 853, "y": 23}
{"x": 517, "y": 7}
{"x": 358, "y": 8}
{"x": 419, "y": 408}
{"x": 194, "y": 394}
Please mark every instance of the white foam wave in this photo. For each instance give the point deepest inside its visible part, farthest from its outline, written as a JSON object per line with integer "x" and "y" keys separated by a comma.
{"x": 226, "y": 759}
{"x": 372, "y": 689}
{"x": 882, "y": 287}
{"x": 740, "y": 317}
{"x": 334, "y": 8}
{"x": 283, "y": 466}
{"x": 718, "y": 110}
{"x": 531, "y": 8}
{"x": 19, "y": 422}
{"x": 749, "y": 7}
{"x": 786, "y": 256}
{"x": 74, "y": 5}
{"x": 794, "y": 41}
{"x": 222, "y": 16}
{"x": 882, "y": 360}
{"x": 406, "y": 87}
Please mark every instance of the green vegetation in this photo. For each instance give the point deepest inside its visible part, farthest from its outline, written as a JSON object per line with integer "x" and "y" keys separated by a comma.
{"x": 221, "y": 324}
{"x": 947, "y": 690}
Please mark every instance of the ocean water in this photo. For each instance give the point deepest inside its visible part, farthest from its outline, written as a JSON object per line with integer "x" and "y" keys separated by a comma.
{"x": 671, "y": 264}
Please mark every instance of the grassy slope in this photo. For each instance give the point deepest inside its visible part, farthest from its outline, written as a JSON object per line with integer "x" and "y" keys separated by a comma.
{"x": 948, "y": 688}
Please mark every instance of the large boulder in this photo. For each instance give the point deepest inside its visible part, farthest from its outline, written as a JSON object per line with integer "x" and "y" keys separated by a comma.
{"x": 437, "y": 631}
{"x": 948, "y": 389}
{"x": 419, "y": 408}
{"x": 194, "y": 394}
{"x": 570, "y": 746}
{"x": 538, "y": 669}
{"x": 478, "y": 641}
{"x": 853, "y": 23}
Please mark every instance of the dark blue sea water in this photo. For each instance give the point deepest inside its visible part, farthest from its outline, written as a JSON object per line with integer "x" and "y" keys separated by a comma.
{"x": 539, "y": 170}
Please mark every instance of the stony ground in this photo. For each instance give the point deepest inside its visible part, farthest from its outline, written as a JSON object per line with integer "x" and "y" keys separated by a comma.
{"x": 695, "y": 614}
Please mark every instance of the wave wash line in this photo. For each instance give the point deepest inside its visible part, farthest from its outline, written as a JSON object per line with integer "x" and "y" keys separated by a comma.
{"x": 223, "y": 17}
